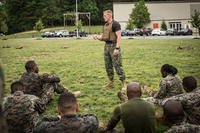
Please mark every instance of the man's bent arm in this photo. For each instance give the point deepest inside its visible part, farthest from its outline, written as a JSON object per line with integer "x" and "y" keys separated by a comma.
{"x": 118, "y": 34}
{"x": 112, "y": 123}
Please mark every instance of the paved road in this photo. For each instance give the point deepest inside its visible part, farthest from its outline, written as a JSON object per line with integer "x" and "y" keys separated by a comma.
{"x": 125, "y": 37}
{"x": 159, "y": 37}
{"x": 138, "y": 37}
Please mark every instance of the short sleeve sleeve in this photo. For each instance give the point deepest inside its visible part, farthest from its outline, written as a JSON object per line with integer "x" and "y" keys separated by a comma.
{"x": 116, "y": 26}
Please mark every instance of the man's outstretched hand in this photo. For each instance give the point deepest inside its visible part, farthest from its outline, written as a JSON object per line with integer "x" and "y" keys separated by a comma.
{"x": 77, "y": 93}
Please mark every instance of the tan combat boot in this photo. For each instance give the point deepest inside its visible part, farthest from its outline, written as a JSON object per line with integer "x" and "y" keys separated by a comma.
{"x": 110, "y": 84}
{"x": 124, "y": 86}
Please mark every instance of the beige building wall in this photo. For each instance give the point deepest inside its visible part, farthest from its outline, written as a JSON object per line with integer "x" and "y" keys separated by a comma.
{"x": 174, "y": 14}
{"x": 169, "y": 11}
{"x": 195, "y": 6}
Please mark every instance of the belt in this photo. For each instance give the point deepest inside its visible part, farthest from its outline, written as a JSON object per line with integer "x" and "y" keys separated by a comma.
{"x": 110, "y": 42}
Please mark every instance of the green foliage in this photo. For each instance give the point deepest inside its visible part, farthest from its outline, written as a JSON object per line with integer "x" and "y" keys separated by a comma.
{"x": 79, "y": 26}
{"x": 3, "y": 18}
{"x": 22, "y": 15}
{"x": 139, "y": 16}
{"x": 163, "y": 25}
{"x": 89, "y": 6}
{"x": 81, "y": 66}
{"x": 39, "y": 25}
{"x": 130, "y": 25}
{"x": 3, "y": 27}
{"x": 52, "y": 15}
{"x": 196, "y": 20}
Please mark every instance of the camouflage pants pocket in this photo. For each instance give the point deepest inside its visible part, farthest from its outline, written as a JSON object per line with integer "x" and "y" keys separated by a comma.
{"x": 113, "y": 61}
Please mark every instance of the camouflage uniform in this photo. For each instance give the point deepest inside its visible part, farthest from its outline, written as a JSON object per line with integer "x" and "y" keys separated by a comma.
{"x": 1, "y": 83}
{"x": 70, "y": 124}
{"x": 3, "y": 126}
{"x": 191, "y": 105}
{"x": 111, "y": 61}
{"x": 21, "y": 112}
{"x": 169, "y": 86}
{"x": 41, "y": 85}
{"x": 184, "y": 128}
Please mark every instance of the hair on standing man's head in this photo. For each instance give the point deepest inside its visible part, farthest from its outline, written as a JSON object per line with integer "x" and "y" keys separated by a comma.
{"x": 108, "y": 11}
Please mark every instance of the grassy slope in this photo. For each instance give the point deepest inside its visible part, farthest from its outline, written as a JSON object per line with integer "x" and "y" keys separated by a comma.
{"x": 81, "y": 66}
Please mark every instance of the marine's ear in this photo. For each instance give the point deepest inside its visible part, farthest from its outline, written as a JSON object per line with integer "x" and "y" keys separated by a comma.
{"x": 59, "y": 111}
{"x": 76, "y": 107}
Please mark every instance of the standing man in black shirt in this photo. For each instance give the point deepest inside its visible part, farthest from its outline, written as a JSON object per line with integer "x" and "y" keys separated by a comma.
{"x": 112, "y": 51}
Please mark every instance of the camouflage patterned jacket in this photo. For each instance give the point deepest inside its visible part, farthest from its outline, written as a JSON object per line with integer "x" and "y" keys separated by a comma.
{"x": 2, "y": 84}
{"x": 169, "y": 86}
{"x": 70, "y": 124}
{"x": 191, "y": 105}
{"x": 3, "y": 125}
{"x": 37, "y": 85}
{"x": 21, "y": 112}
{"x": 184, "y": 128}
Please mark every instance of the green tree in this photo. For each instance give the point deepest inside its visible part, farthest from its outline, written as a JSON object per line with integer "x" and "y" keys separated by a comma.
{"x": 65, "y": 7}
{"x": 103, "y": 5}
{"x": 139, "y": 16}
{"x": 89, "y": 6}
{"x": 130, "y": 26}
{"x": 39, "y": 25}
{"x": 196, "y": 20}
{"x": 163, "y": 25}
{"x": 3, "y": 18}
{"x": 79, "y": 26}
{"x": 3, "y": 27}
{"x": 22, "y": 14}
{"x": 52, "y": 15}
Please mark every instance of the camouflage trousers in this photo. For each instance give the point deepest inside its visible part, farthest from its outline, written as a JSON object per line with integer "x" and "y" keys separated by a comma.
{"x": 49, "y": 89}
{"x": 113, "y": 61}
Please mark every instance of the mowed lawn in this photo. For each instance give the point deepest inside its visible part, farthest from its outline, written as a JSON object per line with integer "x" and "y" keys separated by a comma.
{"x": 80, "y": 65}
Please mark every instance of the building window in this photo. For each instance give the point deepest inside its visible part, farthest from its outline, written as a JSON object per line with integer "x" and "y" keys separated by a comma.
{"x": 175, "y": 25}
{"x": 155, "y": 25}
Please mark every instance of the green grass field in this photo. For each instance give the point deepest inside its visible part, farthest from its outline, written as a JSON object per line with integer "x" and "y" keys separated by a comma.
{"x": 79, "y": 64}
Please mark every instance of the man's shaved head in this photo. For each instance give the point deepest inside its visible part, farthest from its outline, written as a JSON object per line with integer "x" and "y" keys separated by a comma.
{"x": 189, "y": 83}
{"x": 173, "y": 111}
{"x": 133, "y": 90}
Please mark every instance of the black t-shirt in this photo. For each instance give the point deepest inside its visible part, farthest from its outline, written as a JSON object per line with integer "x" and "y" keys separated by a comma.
{"x": 116, "y": 26}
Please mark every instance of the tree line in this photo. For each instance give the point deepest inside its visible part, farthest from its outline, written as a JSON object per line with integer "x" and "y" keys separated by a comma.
{"x": 21, "y": 15}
